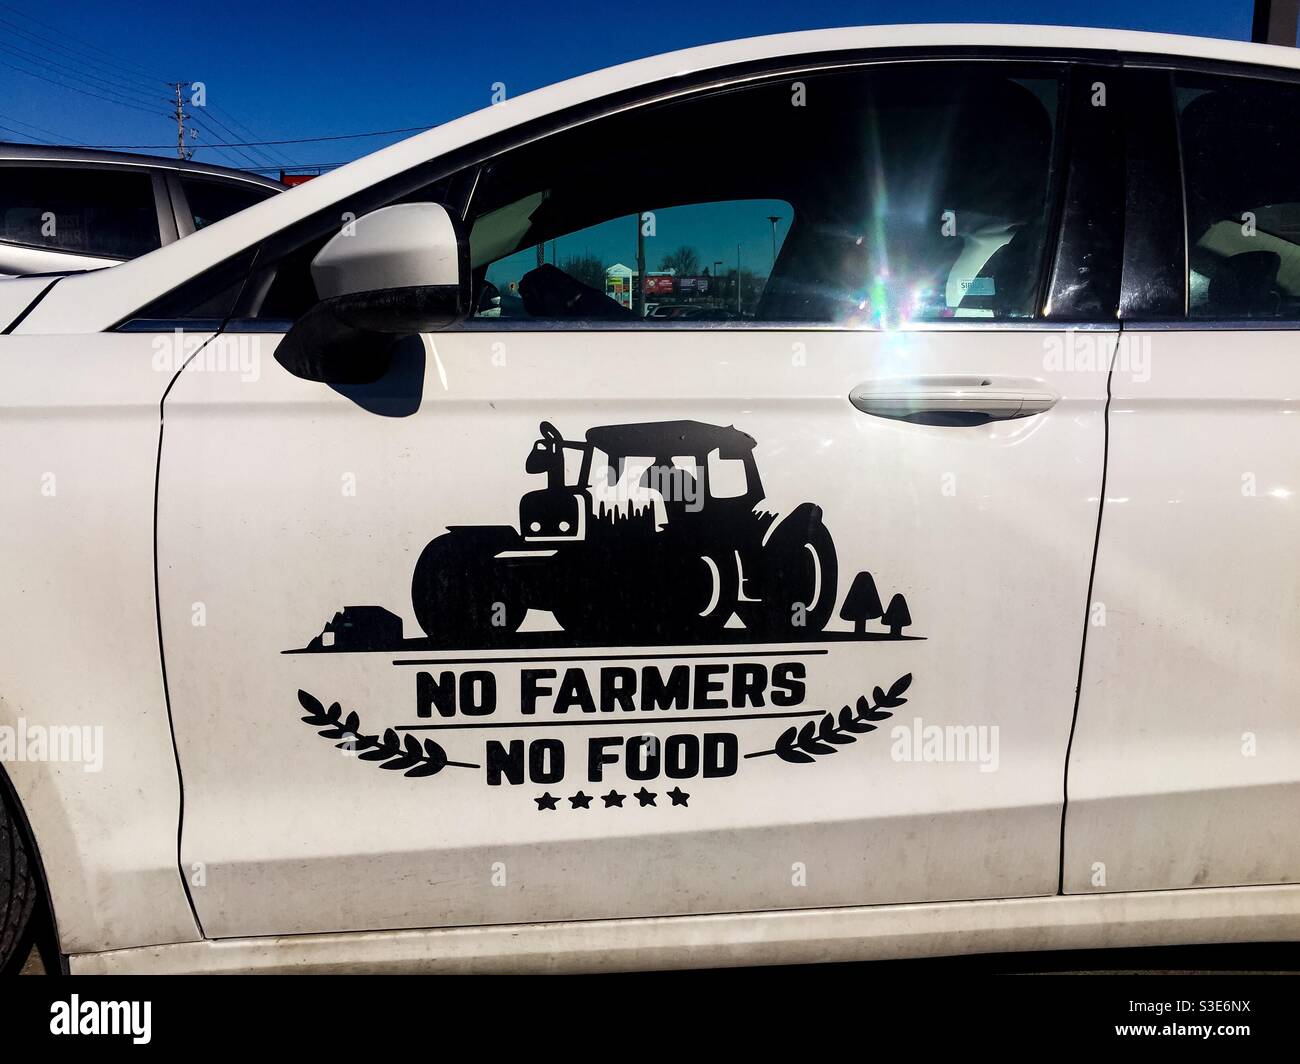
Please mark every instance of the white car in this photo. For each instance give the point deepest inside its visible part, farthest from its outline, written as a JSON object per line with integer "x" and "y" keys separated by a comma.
{"x": 946, "y": 600}
{"x": 69, "y": 209}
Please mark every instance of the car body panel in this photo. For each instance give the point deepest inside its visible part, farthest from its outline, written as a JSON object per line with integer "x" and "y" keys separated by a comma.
{"x": 807, "y": 936}
{"x": 19, "y": 293}
{"x": 81, "y": 450}
{"x": 1185, "y": 767}
{"x": 259, "y": 525}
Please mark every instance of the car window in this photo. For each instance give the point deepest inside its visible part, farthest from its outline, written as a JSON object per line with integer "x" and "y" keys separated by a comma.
{"x": 877, "y": 196}
{"x": 1241, "y": 166}
{"x": 210, "y": 201}
{"x": 708, "y": 261}
{"x": 80, "y": 209}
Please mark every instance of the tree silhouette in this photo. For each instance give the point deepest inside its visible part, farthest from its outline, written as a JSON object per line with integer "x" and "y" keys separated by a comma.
{"x": 896, "y": 616}
{"x": 685, "y": 261}
{"x": 586, "y": 268}
{"x": 862, "y": 603}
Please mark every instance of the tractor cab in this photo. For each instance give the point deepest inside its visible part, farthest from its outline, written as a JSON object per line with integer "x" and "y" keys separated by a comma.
{"x": 647, "y": 532}
{"x": 688, "y": 467}
{"x": 650, "y": 476}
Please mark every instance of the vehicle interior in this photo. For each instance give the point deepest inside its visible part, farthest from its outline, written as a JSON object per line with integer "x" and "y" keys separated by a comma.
{"x": 868, "y": 230}
{"x": 1243, "y": 220}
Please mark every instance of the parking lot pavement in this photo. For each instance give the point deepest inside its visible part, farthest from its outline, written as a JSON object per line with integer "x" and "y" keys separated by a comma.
{"x": 33, "y": 965}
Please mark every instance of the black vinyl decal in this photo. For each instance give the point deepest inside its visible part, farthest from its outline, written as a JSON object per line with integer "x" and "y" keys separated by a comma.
{"x": 638, "y": 536}
{"x": 644, "y": 535}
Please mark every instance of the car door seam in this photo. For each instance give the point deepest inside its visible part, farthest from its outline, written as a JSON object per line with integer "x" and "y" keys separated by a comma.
{"x": 162, "y": 654}
{"x": 1087, "y": 608}
{"x": 30, "y": 307}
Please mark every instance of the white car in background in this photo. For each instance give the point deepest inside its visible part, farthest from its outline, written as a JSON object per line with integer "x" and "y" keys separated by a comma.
{"x": 945, "y": 600}
{"x": 68, "y": 209}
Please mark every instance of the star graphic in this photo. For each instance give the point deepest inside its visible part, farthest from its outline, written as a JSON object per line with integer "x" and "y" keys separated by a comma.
{"x": 678, "y": 796}
{"x": 580, "y": 801}
{"x": 645, "y": 797}
{"x": 613, "y": 798}
{"x": 545, "y": 801}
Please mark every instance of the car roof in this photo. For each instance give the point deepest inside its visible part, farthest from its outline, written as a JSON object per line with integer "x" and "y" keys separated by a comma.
{"x": 93, "y": 302}
{"x": 95, "y": 157}
{"x": 663, "y": 439}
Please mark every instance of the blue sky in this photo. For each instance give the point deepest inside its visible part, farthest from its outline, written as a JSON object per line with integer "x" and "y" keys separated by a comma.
{"x": 294, "y": 69}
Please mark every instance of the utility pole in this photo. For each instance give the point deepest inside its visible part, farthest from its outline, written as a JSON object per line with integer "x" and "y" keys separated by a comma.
{"x": 638, "y": 285}
{"x": 738, "y": 281}
{"x": 181, "y": 151}
{"x": 1274, "y": 22}
{"x": 773, "y": 219}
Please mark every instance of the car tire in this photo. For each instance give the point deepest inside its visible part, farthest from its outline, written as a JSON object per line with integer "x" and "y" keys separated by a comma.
{"x": 18, "y": 886}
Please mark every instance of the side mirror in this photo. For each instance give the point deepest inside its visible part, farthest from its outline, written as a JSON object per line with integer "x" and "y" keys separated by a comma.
{"x": 399, "y": 270}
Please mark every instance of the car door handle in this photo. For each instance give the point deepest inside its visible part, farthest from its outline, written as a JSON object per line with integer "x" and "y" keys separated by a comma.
{"x": 952, "y": 400}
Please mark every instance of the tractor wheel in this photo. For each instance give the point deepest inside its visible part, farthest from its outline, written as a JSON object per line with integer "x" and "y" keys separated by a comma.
{"x": 800, "y": 581}
{"x": 461, "y": 594}
{"x": 701, "y": 597}
{"x": 687, "y": 600}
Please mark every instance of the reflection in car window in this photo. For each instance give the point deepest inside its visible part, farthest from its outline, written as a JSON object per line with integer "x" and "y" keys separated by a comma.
{"x": 722, "y": 282}
{"x": 65, "y": 208}
{"x": 872, "y": 197}
{"x": 1241, "y": 163}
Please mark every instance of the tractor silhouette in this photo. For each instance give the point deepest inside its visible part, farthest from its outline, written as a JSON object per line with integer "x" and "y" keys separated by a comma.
{"x": 645, "y": 534}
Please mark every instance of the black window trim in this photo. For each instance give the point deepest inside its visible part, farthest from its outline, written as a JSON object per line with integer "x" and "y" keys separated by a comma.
{"x": 1218, "y": 68}
{"x": 1153, "y": 281}
{"x": 394, "y": 188}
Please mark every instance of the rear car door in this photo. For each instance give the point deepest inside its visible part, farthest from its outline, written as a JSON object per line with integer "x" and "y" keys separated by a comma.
{"x": 772, "y": 603}
{"x": 1185, "y": 766}
{"x": 201, "y": 201}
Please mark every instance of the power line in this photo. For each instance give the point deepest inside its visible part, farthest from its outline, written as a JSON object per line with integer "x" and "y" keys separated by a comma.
{"x": 292, "y": 140}
{"x": 300, "y": 166}
{"x": 125, "y": 84}
{"x": 39, "y": 129}
{"x": 26, "y": 136}
{"x": 248, "y": 132}
{"x": 126, "y": 67}
{"x": 210, "y": 116}
{"x": 63, "y": 70}
{"x": 132, "y": 84}
{"x": 74, "y": 88}
{"x": 215, "y": 143}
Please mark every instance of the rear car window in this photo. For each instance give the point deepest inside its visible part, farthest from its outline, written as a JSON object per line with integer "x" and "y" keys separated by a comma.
{"x": 210, "y": 201}
{"x": 79, "y": 209}
{"x": 1241, "y": 166}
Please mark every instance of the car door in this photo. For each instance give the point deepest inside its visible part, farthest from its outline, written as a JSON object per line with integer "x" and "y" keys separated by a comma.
{"x": 580, "y": 614}
{"x": 1185, "y": 766}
